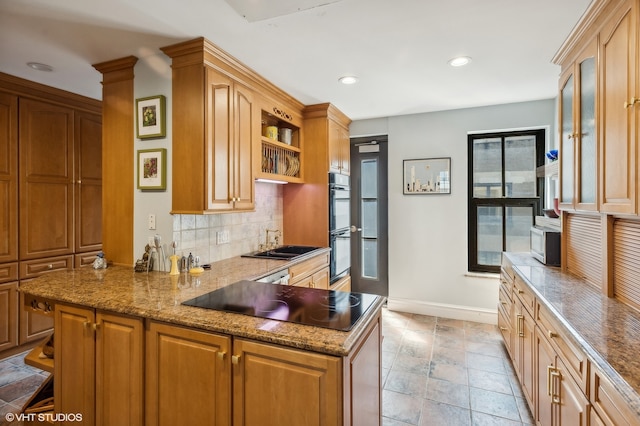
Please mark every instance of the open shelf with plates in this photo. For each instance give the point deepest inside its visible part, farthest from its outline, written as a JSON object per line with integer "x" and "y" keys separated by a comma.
{"x": 280, "y": 150}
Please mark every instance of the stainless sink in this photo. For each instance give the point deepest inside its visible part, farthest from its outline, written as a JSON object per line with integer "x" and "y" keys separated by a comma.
{"x": 283, "y": 252}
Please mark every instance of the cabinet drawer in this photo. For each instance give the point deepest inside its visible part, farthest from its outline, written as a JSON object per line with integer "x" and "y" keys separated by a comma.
{"x": 307, "y": 267}
{"x": 524, "y": 293}
{"x": 507, "y": 271}
{"x": 572, "y": 357}
{"x": 608, "y": 402}
{"x": 35, "y": 268}
{"x": 8, "y": 272}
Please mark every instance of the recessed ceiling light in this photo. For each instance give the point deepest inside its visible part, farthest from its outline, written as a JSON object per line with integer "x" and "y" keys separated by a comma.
{"x": 348, "y": 79}
{"x": 40, "y": 67}
{"x": 460, "y": 61}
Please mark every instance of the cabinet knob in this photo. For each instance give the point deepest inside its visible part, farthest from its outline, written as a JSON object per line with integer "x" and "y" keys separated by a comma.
{"x": 551, "y": 334}
{"x": 221, "y": 355}
{"x": 631, "y": 103}
{"x": 50, "y": 266}
{"x": 504, "y": 328}
{"x": 235, "y": 359}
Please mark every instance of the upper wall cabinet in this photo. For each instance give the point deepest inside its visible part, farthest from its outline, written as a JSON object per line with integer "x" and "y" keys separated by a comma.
{"x": 599, "y": 106}
{"x": 215, "y": 124}
{"x": 620, "y": 109}
{"x": 578, "y": 133}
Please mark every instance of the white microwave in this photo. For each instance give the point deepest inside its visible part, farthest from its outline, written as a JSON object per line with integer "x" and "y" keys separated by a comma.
{"x": 545, "y": 245}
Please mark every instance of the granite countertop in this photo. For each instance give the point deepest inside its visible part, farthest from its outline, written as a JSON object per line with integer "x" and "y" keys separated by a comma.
{"x": 607, "y": 330}
{"x": 158, "y": 296}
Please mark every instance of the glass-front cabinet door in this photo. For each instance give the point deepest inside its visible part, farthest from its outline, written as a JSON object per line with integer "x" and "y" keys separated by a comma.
{"x": 578, "y": 132}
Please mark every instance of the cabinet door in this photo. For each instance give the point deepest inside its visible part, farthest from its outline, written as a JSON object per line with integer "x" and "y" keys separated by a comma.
{"x": 619, "y": 112}
{"x": 567, "y": 140}
{"x": 8, "y": 177}
{"x": 119, "y": 370}
{"x": 33, "y": 325}
{"x": 339, "y": 149}
{"x": 524, "y": 341}
{"x": 546, "y": 361}
{"x": 8, "y": 315}
{"x": 573, "y": 406}
{"x": 587, "y": 138}
{"x": 74, "y": 365}
{"x": 246, "y": 133}
{"x": 88, "y": 182}
{"x": 188, "y": 377}
{"x": 306, "y": 386}
{"x": 46, "y": 179}
{"x": 218, "y": 141}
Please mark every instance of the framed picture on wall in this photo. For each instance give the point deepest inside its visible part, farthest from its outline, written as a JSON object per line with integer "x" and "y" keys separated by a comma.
{"x": 152, "y": 169}
{"x": 427, "y": 176}
{"x": 150, "y": 117}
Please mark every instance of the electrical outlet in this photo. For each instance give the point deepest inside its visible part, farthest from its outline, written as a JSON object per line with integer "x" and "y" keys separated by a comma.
{"x": 152, "y": 221}
{"x": 222, "y": 237}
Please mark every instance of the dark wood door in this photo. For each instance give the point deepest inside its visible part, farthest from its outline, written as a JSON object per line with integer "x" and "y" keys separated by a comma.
{"x": 369, "y": 241}
{"x": 46, "y": 179}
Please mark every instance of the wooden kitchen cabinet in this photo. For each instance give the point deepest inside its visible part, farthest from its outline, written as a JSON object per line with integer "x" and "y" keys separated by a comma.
{"x": 339, "y": 148}
{"x": 216, "y": 118}
{"x": 326, "y": 150}
{"x": 305, "y": 388}
{"x": 88, "y": 182}
{"x": 578, "y": 132}
{"x": 523, "y": 349}
{"x": 312, "y": 272}
{"x": 46, "y": 179}
{"x": 98, "y": 365}
{"x": 620, "y": 98}
{"x": 560, "y": 401}
{"x": 8, "y": 177}
{"x": 8, "y": 315}
{"x": 608, "y": 408}
{"x": 188, "y": 376}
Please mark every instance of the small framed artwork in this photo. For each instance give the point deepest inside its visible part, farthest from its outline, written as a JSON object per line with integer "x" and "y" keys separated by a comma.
{"x": 427, "y": 176}
{"x": 150, "y": 117}
{"x": 152, "y": 169}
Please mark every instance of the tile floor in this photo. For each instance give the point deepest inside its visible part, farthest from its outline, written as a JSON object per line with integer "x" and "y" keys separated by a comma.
{"x": 436, "y": 371}
{"x": 18, "y": 382}
{"x": 439, "y": 371}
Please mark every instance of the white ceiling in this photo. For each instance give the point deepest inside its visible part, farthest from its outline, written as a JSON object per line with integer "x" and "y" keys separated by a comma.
{"x": 398, "y": 48}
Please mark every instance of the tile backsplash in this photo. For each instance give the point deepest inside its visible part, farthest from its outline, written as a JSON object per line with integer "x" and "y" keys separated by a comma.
{"x": 197, "y": 234}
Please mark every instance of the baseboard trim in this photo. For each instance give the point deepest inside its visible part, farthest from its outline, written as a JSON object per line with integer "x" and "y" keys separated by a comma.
{"x": 466, "y": 313}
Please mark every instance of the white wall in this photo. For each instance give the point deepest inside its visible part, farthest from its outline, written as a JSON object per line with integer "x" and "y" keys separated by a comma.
{"x": 428, "y": 233}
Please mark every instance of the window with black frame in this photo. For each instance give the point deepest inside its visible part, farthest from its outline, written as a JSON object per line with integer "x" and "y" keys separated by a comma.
{"x": 504, "y": 193}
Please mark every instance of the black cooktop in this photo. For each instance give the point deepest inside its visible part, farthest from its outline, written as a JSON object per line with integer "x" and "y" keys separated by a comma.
{"x": 336, "y": 310}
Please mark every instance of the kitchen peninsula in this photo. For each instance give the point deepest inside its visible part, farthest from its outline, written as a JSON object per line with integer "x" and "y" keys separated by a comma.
{"x": 128, "y": 352}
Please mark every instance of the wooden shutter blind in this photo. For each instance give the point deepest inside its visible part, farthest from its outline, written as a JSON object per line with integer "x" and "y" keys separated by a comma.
{"x": 584, "y": 248}
{"x": 626, "y": 262}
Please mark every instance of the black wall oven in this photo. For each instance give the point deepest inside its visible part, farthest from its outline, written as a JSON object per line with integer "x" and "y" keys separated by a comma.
{"x": 339, "y": 226}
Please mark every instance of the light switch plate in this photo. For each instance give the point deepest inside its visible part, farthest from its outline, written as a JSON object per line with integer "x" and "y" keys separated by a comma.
{"x": 222, "y": 237}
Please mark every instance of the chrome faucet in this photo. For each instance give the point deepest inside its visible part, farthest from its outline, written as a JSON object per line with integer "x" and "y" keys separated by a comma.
{"x": 278, "y": 234}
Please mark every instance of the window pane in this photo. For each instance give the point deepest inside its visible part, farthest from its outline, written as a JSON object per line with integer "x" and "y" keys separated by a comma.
{"x": 487, "y": 168}
{"x": 566, "y": 144}
{"x": 370, "y": 258}
{"x": 519, "y": 221}
{"x": 489, "y": 235}
{"x": 587, "y": 131}
{"x": 520, "y": 166}
{"x": 369, "y": 178}
{"x": 369, "y": 218}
